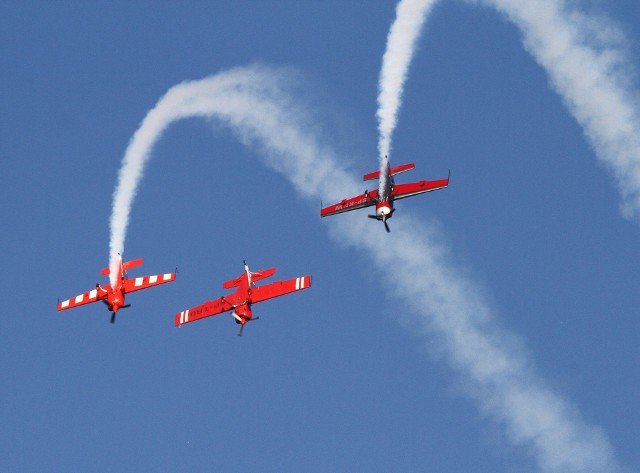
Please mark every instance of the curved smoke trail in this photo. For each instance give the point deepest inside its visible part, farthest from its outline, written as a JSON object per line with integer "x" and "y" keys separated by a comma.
{"x": 584, "y": 56}
{"x": 401, "y": 43}
{"x": 499, "y": 373}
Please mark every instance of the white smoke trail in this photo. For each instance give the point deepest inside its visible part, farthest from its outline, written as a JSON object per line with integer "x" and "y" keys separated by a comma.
{"x": 253, "y": 103}
{"x": 401, "y": 43}
{"x": 584, "y": 56}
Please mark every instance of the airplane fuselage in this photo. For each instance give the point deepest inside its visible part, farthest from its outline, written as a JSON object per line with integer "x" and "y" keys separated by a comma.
{"x": 115, "y": 295}
{"x": 384, "y": 204}
{"x": 115, "y": 298}
{"x": 241, "y": 299}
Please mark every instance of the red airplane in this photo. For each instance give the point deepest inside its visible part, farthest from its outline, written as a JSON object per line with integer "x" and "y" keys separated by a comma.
{"x": 114, "y": 297}
{"x": 390, "y": 193}
{"x": 246, "y": 294}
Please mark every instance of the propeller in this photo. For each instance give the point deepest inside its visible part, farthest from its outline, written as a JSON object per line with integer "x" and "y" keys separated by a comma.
{"x": 113, "y": 314}
{"x": 384, "y": 220}
{"x": 242, "y": 325}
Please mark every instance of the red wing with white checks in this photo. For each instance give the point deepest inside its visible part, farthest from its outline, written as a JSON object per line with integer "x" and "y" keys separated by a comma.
{"x": 143, "y": 282}
{"x": 88, "y": 297}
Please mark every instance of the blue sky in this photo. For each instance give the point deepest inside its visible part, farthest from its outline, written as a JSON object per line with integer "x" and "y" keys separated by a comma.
{"x": 340, "y": 377}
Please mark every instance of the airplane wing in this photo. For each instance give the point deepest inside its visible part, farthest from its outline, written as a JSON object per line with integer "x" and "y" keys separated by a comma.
{"x": 359, "y": 202}
{"x": 84, "y": 298}
{"x": 279, "y": 288}
{"x": 143, "y": 282}
{"x": 207, "y": 309}
{"x": 400, "y": 191}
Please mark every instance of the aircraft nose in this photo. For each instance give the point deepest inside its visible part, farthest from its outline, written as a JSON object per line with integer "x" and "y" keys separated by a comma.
{"x": 115, "y": 304}
{"x": 383, "y": 211}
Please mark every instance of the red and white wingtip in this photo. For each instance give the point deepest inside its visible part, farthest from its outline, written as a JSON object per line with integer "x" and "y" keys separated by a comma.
{"x": 182, "y": 318}
{"x": 303, "y": 282}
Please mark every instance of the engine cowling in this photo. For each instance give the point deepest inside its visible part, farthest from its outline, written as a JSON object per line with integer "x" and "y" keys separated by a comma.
{"x": 383, "y": 210}
{"x": 115, "y": 301}
{"x": 242, "y": 313}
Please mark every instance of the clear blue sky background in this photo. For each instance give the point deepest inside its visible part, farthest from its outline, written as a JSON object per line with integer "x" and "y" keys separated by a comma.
{"x": 328, "y": 379}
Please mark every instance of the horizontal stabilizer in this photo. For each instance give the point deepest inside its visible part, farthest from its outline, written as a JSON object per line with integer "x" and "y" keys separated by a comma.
{"x": 255, "y": 276}
{"x": 262, "y": 274}
{"x": 125, "y": 266}
{"x": 392, "y": 172}
{"x": 233, "y": 282}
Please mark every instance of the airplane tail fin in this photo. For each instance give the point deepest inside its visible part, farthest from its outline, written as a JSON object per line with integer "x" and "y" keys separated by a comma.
{"x": 125, "y": 266}
{"x": 392, "y": 172}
